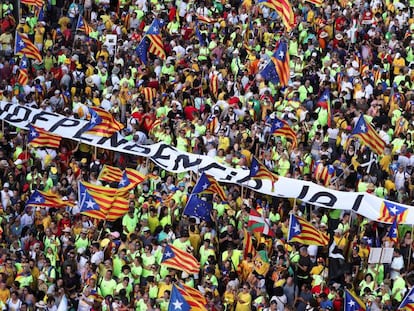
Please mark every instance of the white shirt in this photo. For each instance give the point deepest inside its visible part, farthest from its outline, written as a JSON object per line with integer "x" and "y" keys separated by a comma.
{"x": 97, "y": 258}
{"x": 397, "y": 264}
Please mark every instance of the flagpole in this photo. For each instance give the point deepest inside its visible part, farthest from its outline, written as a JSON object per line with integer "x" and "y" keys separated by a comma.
{"x": 410, "y": 250}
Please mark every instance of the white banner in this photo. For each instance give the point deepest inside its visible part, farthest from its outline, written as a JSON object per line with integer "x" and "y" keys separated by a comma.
{"x": 173, "y": 160}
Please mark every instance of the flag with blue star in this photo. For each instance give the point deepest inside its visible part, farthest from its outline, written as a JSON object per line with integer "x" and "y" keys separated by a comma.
{"x": 352, "y": 302}
{"x": 44, "y": 199}
{"x": 23, "y": 45}
{"x": 197, "y": 207}
{"x": 208, "y": 185}
{"x": 393, "y": 233}
{"x": 178, "y": 259}
{"x": 303, "y": 232}
{"x": 142, "y": 50}
{"x": 82, "y": 25}
{"x": 89, "y": 205}
{"x": 38, "y": 137}
{"x": 367, "y": 134}
{"x": 130, "y": 179}
{"x": 408, "y": 301}
{"x": 390, "y": 211}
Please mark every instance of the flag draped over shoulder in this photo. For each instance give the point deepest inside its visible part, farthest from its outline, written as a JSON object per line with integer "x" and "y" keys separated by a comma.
{"x": 38, "y": 137}
{"x": 303, "y": 232}
{"x": 24, "y": 46}
{"x": 282, "y": 128}
{"x": 46, "y": 199}
{"x": 257, "y": 223}
{"x": 367, "y": 134}
{"x": 176, "y": 258}
{"x": 325, "y": 102}
{"x": 102, "y": 123}
{"x": 208, "y": 185}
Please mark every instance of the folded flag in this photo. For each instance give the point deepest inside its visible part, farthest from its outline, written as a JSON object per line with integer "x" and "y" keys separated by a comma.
{"x": 45, "y": 199}
{"x": 257, "y": 223}
{"x": 303, "y": 232}
{"x": 178, "y": 259}
{"x": 38, "y": 137}
{"x": 393, "y": 233}
{"x": 23, "y": 75}
{"x": 208, "y": 185}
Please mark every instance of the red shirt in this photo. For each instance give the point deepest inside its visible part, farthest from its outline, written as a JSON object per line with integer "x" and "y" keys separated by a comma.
{"x": 188, "y": 112}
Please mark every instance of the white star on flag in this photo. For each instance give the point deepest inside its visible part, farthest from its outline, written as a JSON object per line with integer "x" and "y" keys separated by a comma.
{"x": 123, "y": 182}
{"x": 90, "y": 204}
{"x": 325, "y": 97}
{"x": 278, "y": 124}
{"x": 394, "y": 232}
{"x": 33, "y": 133}
{"x": 296, "y": 228}
{"x": 177, "y": 305}
{"x": 168, "y": 254}
{"x": 351, "y": 303}
{"x": 256, "y": 168}
{"x": 155, "y": 29}
{"x": 205, "y": 186}
{"x": 363, "y": 128}
{"x": 38, "y": 199}
{"x": 21, "y": 43}
{"x": 411, "y": 298}
{"x": 394, "y": 210}
{"x": 93, "y": 119}
{"x": 281, "y": 54}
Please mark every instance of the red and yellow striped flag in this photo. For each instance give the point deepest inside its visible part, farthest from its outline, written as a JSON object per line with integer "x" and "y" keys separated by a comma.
{"x": 38, "y": 3}
{"x": 110, "y": 174}
{"x": 38, "y": 137}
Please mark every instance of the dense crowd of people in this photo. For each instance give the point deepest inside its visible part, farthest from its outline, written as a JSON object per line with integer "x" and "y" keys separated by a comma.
{"x": 360, "y": 51}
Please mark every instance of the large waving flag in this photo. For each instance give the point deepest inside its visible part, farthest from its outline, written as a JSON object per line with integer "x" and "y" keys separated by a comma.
{"x": 367, "y": 134}
{"x": 38, "y": 137}
{"x": 102, "y": 123}
{"x": 208, "y": 185}
{"x": 390, "y": 211}
{"x": 277, "y": 70}
{"x": 303, "y": 232}
{"x": 393, "y": 233}
{"x": 180, "y": 260}
{"x": 156, "y": 46}
{"x": 283, "y": 9}
{"x": 101, "y": 189}
{"x": 38, "y": 3}
{"x": 193, "y": 293}
{"x": 282, "y": 128}
{"x": 259, "y": 171}
{"x": 352, "y": 302}
{"x": 258, "y": 224}
{"x": 206, "y": 20}
{"x": 101, "y": 206}
{"x": 197, "y": 207}
{"x": 23, "y": 75}
{"x": 82, "y": 25}
{"x": 182, "y": 301}
{"x": 23, "y": 45}
{"x": 110, "y": 174}
{"x": 325, "y": 102}
{"x": 408, "y": 301}
{"x": 46, "y": 199}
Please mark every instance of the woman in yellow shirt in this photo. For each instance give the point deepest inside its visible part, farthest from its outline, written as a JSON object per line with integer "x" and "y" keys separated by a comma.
{"x": 244, "y": 299}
